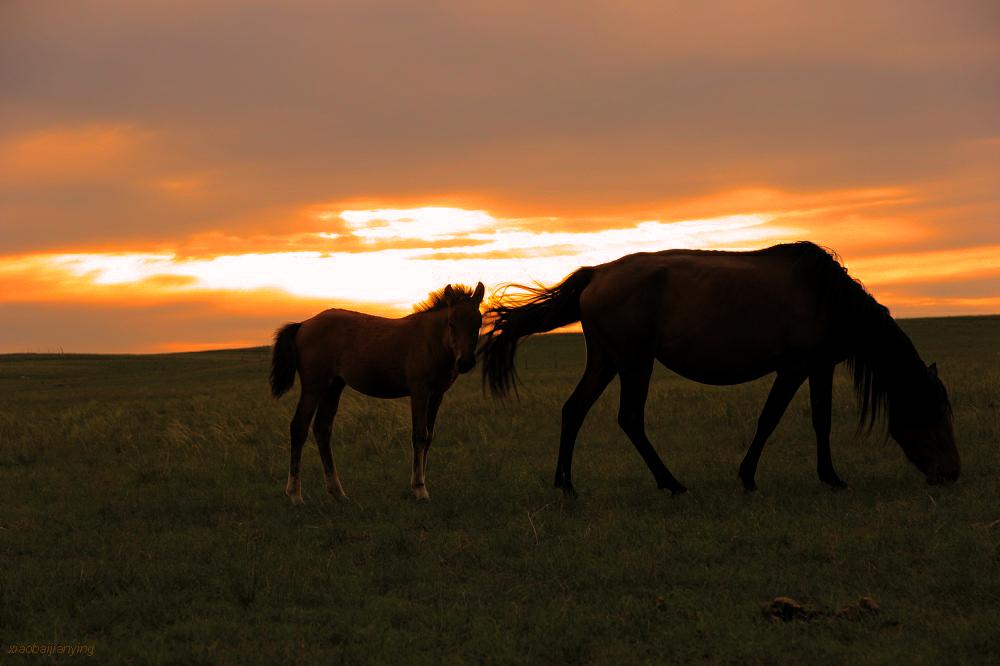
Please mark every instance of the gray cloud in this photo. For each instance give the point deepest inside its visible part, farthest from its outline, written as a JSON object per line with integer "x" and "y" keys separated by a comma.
{"x": 562, "y": 106}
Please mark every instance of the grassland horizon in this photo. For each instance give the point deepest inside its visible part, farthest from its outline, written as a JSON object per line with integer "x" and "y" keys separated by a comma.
{"x": 144, "y": 515}
{"x": 573, "y": 329}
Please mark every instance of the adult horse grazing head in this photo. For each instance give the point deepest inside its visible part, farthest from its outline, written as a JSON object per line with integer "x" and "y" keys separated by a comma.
{"x": 920, "y": 420}
{"x": 419, "y": 356}
{"x": 891, "y": 380}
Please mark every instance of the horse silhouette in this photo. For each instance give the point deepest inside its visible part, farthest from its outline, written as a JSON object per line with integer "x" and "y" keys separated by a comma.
{"x": 419, "y": 356}
{"x": 727, "y": 318}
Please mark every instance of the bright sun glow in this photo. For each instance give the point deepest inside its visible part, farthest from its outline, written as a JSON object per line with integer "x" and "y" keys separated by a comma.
{"x": 384, "y": 260}
{"x": 482, "y": 248}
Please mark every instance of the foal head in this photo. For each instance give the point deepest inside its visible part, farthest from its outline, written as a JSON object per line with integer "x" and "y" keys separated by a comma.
{"x": 464, "y": 322}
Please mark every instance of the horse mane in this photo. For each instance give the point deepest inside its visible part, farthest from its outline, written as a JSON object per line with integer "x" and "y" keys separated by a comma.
{"x": 879, "y": 354}
{"x": 438, "y": 300}
{"x": 886, "y": 370}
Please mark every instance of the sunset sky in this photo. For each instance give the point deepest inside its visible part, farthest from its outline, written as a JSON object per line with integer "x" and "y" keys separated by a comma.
{"x": 189, "y": 175}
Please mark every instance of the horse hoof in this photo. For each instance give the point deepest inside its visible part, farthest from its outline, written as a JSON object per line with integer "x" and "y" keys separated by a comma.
{"x": 679, "y": 490}
{"x": 422, "y": 495}
{"x": 297, "y": 500}
{"x": 747, "y": 479}
{"x": 568, "y": 491}
{"x": 336, "y": 490}
{"x": 835, "y": 483}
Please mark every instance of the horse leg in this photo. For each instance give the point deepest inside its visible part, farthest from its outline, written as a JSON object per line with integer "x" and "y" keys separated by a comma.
{"x": 433, "y": 404}
{"x": 782, "y": 391}
{"x": 596, "y": 377}
{"x": 632, "y": 417}
{"x": 300, "y": 431}
{"x": 821, "y": 399}
{"x": 323, "y": 430}
{"x": 419, "y": 411}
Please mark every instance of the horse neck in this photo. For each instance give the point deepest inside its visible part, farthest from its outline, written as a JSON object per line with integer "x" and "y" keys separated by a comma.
{"x": 432, "y": 324}
{"x": 882, "y": 346}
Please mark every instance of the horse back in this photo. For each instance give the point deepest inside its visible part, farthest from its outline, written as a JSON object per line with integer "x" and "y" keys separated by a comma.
{"x": 717, "y": 317}
{"x": 369, "y": 353}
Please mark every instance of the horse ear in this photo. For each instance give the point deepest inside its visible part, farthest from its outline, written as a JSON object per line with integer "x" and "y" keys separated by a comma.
{"x": 478, "y": 294}
{"x": 448, "y": 291}
{"x": 933, "y": 368}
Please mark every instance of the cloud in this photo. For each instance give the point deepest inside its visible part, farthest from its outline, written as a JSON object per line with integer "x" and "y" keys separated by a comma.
{"x": 175, "y": 325}
{"x": 433, "y": 223}
{"x": 939, "y": 266}
{"x": 168, "y": 149}
{"x": 562, "y": 109}
{"x": 76, "y": 154}
{"x": 390, "y": 275}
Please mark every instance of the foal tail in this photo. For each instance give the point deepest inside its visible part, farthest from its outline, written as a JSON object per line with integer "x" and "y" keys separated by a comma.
{"x": 518, "y": 316}
{"x": 284, "y": 359}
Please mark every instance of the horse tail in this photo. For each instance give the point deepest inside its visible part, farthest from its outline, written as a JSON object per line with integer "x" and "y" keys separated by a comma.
{"x": 284, "y": 359}
{"x": 515, "y": 317}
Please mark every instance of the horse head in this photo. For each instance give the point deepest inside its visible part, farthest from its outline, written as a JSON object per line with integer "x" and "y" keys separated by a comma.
{"x": 921, "y": 422}
{"x": 464, "y": 322}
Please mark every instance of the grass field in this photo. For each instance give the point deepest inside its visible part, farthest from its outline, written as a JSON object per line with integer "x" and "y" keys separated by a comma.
{"x": 142, "y": 513}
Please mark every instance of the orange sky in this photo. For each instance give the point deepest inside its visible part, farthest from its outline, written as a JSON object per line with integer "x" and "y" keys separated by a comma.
{"x": 188, "y": 175}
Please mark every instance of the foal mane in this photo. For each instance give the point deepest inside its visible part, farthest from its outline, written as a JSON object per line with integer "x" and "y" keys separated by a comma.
{"x": 438, "y": 300}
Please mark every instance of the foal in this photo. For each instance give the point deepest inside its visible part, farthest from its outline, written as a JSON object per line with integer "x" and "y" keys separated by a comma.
{"x": 419, "y": 356}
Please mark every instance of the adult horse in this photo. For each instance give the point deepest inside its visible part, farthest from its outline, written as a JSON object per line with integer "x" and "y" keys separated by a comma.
{"x": 727, "y": 318}
{"x": 419, "y": 356}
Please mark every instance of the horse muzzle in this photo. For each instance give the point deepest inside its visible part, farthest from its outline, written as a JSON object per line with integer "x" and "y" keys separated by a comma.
{"x": 938, "y": 478}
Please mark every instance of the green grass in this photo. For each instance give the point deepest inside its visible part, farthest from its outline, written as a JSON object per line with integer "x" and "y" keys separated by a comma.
{"x": 142, "y": 512}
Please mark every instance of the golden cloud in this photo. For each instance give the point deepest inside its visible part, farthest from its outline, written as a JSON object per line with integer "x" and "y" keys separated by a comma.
{"x": 79, "y": 153}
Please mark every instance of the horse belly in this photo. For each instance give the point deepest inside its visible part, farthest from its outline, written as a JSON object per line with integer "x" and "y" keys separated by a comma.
{"x": 366, "y": 353}
{"x": 704, "y": 366}
{"x": 381, "y": 391}
{"x": 375, "y": 382}
{"x": 724, "y": 340}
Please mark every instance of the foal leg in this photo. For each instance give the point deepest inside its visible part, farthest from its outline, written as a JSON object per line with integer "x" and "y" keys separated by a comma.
{"x": 821, "y": 399}
{"x": 782, "y": 392}
{"x": 420, "y": 403}
{"x": 596, "y": 377}
{"x": 323, "y": 429}
{"x": 632, "y": 419}
{"x": 432, "y": 412}
{"x": 300, "y": 431}
{"x": 433, "y": 404}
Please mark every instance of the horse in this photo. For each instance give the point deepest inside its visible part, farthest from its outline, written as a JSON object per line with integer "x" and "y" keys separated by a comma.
{"x": 723, "y": 318}
{"x": 419, "y": 355}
